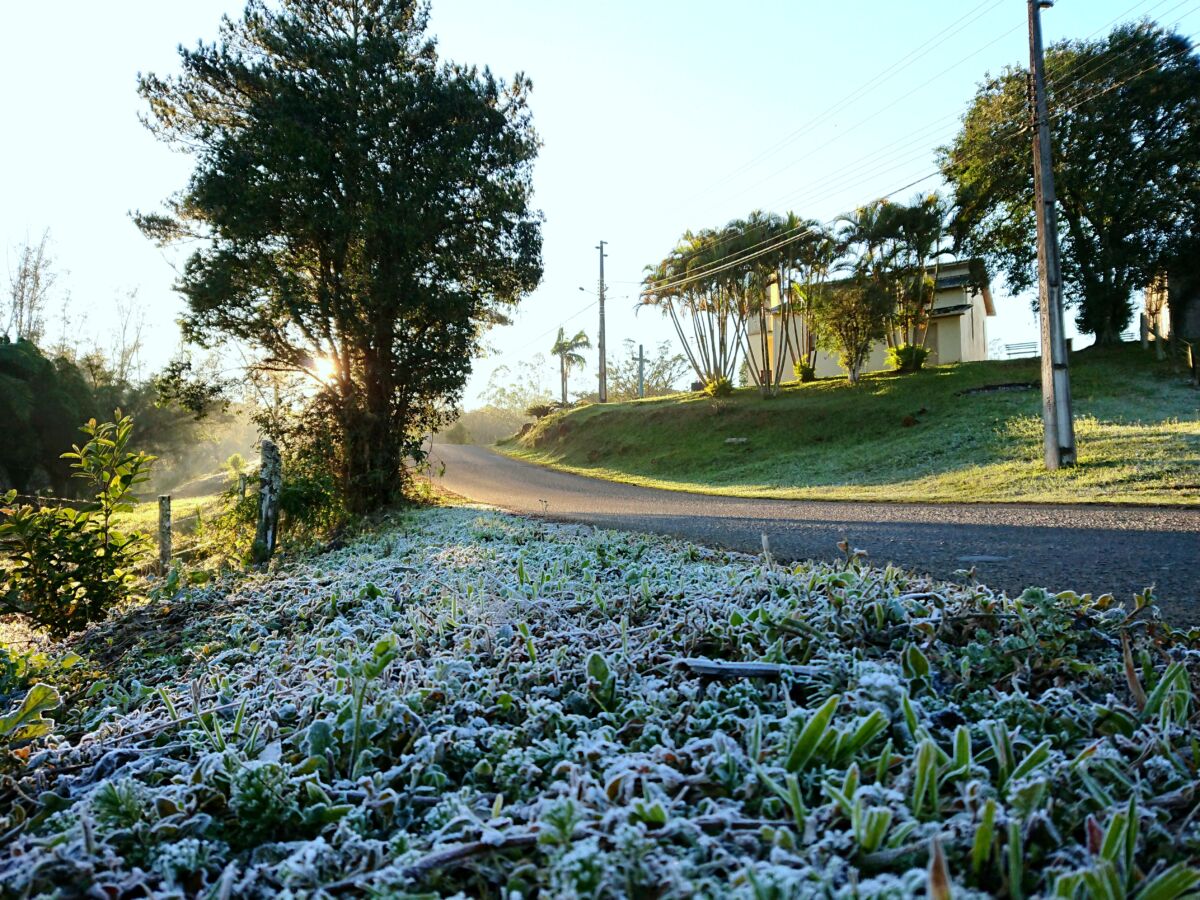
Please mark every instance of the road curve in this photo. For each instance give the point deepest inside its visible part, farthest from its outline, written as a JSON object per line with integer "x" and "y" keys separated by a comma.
{"x": 1095, "y": 549}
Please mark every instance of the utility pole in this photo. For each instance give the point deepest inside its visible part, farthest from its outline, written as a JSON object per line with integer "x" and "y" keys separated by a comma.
{"x": 641, "y": 372}
{"x": 1057, "y": 420}
{"x": 603, "y": 358}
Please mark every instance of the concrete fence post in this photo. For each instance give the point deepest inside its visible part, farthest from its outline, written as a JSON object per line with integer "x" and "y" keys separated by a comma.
{"x": 164, "y": 533}
{"x": 270, "y": 477}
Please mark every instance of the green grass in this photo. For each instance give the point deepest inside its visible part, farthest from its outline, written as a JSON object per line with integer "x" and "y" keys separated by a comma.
{"x": 1137, "y": 427}
{"x": 144, "y": 516}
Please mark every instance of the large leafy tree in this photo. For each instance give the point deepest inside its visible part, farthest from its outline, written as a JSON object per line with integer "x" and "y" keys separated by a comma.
{"x": 1125, "y": 129}
{"x": 363, "y": 212}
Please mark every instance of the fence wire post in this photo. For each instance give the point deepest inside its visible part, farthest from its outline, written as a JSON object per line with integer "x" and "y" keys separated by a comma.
{"x": 164, "y": 533}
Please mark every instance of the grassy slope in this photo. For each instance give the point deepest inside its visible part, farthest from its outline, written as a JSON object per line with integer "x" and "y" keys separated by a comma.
{"x": 1137, "y": 424}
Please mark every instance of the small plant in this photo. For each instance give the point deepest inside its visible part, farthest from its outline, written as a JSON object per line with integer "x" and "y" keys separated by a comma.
{"x": 26, "y": 722}
{"x": 541, "y": 410}
{"x": 69, "y": 567}
{"x": 907, "y": 358}
{"x": 804, "y": 372}
{"x": 719, "y": 387}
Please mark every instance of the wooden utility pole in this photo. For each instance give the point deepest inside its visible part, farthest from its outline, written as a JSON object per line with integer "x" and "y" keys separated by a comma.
{"x": 1057, "y": 420}
{"x": 603, "y": 359}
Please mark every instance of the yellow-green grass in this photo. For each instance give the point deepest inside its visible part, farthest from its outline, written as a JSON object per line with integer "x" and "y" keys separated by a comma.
{"x": 144, "y": 516}
{"x": 1137, "y": 425}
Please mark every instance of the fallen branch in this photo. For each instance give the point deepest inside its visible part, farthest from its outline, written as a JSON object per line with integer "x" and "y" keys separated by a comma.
{"x": 730, "y": 671}
{"x": 461, "y": 852}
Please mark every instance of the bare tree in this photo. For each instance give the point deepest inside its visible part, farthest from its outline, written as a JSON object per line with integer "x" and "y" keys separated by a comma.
{"x": 126, "y": 348}
{"x": 71, "y": 325}
{"x": 29, "y": 286}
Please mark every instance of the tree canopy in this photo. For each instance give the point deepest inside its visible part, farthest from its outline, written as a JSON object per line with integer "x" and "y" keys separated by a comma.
{"x": 567, "y": 350}
{"x": 1125, "y": 130}
{"x": 363, "y": 212}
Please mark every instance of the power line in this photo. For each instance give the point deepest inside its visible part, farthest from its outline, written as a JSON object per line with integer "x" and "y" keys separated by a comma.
{"x": 710, "y": 269}
{"x": 777, "y": 241}
{"x": 739, "y": 260}
{"x": 909, "y": 141}
{"x": 861, "y": 122}
{"x": 840, "y": 105}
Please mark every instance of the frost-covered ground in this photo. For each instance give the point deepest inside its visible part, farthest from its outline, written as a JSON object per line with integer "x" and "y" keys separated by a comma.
{"x": 478, "y": 703}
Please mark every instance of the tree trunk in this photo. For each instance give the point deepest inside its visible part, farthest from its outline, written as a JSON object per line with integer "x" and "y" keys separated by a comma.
{"x": 562, "y": 365}
{"x": 1105, "y": 311}
{"x": 373, "y": 474}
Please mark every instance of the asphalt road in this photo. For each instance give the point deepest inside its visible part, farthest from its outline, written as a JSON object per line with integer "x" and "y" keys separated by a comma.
{"x": 1092, "y": 549}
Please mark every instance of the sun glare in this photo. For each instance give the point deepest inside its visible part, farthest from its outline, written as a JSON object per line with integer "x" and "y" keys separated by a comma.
{"x": 325, "y": 368}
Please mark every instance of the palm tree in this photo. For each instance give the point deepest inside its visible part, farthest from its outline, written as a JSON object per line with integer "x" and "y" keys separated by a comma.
{"x": 567, "y": 351}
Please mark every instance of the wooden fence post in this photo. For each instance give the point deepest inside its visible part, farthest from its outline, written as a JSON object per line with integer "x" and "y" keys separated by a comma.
{"x": 270, "y": 476}
{"x": 242, "y": 485}
{"x": 164, "y": 533}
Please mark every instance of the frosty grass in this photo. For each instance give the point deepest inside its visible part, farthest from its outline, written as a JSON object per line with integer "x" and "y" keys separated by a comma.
{"x": 481, "y": 704}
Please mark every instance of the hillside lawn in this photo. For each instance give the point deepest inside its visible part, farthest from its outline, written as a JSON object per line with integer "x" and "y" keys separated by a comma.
{"x": 928, "y": 437}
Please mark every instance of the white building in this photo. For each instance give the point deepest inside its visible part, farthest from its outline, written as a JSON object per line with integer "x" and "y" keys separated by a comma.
{"x": 957, "y": 330}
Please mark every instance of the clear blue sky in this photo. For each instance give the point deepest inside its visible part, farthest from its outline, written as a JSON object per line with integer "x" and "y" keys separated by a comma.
{"x": 657, "y": 116}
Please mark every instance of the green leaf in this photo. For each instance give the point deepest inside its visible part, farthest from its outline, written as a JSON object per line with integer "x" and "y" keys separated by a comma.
{"x": 26, "y": 722}
{"x": 984, "y": 835}
{"x": 915, "y": 663}
{"x": 1176, "y": 881}
{"x": 811, "y": 735}
{"x": 1035, "y": 759}
{"x": 597, "y": 667}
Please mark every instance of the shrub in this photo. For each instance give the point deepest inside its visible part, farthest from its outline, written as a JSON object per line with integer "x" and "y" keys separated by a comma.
{"x": 719, "y": 387}
{"x": 541, "y": 410}
{"x": 804, "y": 371}
{"x": 907, "y": 358}
{"x": 68, "y": 567}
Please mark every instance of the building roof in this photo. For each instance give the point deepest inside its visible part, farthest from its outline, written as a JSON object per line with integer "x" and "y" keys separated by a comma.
{"x": 957, "y": 310}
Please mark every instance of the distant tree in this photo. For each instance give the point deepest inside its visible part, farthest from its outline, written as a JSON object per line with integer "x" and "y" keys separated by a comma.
{"x": 42, "y": 402}
{"x": 458, "y": 433}
{"x": 1125, "y": 130}
{"x": 356, "y": 201}
{"x": 918, "y": 232}
{"x": 663, "y": 371}
{"x": 569, "y": 357}
{"x": 691, "y": 289}
{"x": 484, "y": 425}
{"x": 29, "y": 287}
{"x": 851, "y": 317}
{"x": 519, "y": 390}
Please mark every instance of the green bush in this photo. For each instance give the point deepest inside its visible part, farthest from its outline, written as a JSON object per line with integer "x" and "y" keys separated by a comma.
{"x": 907, "y": 358}
{"x": 719, "y": 387}
{"x": 68, "y": 567}
{"x": 804, "y": 371}
{"x": 541, "y": 410}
